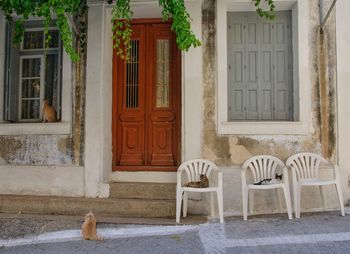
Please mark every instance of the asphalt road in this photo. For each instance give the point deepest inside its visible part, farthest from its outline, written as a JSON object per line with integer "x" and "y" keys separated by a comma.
{"x": 313, "y": 233}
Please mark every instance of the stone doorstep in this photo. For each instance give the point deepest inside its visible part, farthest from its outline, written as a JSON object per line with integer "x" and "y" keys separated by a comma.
{"x": 140, "y": 190}
{"x": 80, "y": 206}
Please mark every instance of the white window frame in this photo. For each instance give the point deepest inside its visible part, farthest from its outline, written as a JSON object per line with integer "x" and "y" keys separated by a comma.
{"x": 301, "y": 72}
{"x": 36, "y": 29}
{"x": 42, "y": 81}
{"x": 62, "y": 127}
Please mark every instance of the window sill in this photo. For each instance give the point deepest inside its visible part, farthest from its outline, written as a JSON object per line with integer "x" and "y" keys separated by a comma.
{"x": 35, "y": 128}
{"x": 264, "y": 128}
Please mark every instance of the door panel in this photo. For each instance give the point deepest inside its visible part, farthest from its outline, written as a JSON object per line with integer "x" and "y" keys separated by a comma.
{"x": 146, "y": 129}
{"x": 130, "y": 108}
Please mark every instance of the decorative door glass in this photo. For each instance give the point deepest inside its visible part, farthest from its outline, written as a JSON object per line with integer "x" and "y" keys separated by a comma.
{"x": 132, "y": 76}
{"x": 162, "y": 74}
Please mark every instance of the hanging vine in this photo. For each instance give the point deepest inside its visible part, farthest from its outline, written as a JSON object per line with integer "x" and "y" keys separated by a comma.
{"x": 67, "y": 15}
{"x": 265, "y": 14}
{"x": 46, "y": 9}
{"x": 121, "y": 17}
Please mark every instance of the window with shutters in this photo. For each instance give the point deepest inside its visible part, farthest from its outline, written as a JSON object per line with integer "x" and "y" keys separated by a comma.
{"x": 260, "y": 77}
{"x": 33, "y": 73}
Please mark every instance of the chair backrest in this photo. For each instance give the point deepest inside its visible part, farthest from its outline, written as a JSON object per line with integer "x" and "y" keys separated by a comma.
{"x": 306, "y": 165}
{"x": 197, "y": 167}
{"x": 263, "y": 167}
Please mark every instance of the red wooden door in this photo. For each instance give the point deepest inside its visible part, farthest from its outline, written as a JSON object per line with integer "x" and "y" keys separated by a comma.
{"x": 146, "y": 101}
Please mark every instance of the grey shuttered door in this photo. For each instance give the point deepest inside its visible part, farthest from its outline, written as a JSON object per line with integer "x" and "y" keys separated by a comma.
{"x": 259, "y": 61}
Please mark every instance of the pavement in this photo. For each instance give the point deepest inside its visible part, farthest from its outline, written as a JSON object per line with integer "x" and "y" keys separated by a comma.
{"x": 319, "y": 233}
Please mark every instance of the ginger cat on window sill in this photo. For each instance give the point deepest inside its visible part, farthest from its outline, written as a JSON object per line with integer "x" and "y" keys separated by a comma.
{"x": 49, "y": 113}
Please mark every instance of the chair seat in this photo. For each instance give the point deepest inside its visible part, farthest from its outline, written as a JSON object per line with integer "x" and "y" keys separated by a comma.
{"x": 208, "y": 189}
{"x": 316, "y": 182}
{"x": 266, "y": 186}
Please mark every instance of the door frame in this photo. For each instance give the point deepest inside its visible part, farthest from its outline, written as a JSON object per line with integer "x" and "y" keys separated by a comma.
{"x": 177, "y": 79}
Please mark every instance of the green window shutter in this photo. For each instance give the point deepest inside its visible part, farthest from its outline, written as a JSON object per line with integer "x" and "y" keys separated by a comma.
{"x": 266, "y": 70}
{"x": 283, "y": 77}
{"x": 252, "y": 68}
{"x": 259, "y": 67}
{"x": 236, "y": 64}
{"x": 11, "y": 76}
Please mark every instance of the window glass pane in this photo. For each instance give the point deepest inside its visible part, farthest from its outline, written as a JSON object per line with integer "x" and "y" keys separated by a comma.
{"x": 31, "y": 67}
{"x": 33, "y": 40}
{"x": 54, "y": 39}
{"x": 31, "y": 88}
{"x": 132, "y": 76}
{"x": 30, "y": 109}
{"x": 51, "y": 79}
{"x": 162, "y": 75}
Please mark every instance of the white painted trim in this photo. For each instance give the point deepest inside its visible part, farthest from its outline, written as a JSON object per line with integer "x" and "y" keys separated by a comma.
{"x": 192, "y": 90}
{"x": 95, "y": 109}
{"x": 143, "y": 177}
{"x": 301, "y": 127}
{"x": 42, "y": 180}
{"x": 57, "y": 128}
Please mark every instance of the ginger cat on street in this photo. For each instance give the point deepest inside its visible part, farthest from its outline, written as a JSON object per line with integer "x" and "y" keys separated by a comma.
{"x": 89, "y": 228}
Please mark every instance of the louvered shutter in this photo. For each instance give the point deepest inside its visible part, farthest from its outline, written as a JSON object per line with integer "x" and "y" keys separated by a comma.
{"x": 282, "y": 37}
{"x": 266, "y": 71}
{"x": 259, "y": 67}
{"x": 252, "y": 68}
{"x": 236, "y": 63}
{"x": 11, "y": 76}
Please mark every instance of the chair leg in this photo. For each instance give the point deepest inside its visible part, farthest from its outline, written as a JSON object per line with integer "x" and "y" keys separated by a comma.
{"x": 220, "y": 204}
{"x": 251, "y": 202}
{"x": 245, "y": 202}
{"x": 212, "y": 208}
{"x": 178, "y": 204}
{"x": 322, "y": 196}
{"x": 184, "y": 207}
{"x": 297, "y": 190}
{"x": 340, "y": 197}
{"x": 278, "y": 201}
{"x": 288, "y": 203}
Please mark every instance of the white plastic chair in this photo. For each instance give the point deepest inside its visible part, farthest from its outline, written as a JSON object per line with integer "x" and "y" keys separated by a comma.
{"x": 264, "y": 167}
{"x": 193, "y": 169}
{"x": 305, "y": 169}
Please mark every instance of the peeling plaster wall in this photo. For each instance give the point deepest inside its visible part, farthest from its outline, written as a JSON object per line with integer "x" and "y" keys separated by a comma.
{"x": 36, "y": 150}
{"x": 230, "y": 151}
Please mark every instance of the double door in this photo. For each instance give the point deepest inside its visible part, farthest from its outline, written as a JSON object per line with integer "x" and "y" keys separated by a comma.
{"x": 146, "y": 101}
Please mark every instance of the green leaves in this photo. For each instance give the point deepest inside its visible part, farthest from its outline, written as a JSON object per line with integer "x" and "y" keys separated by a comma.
{"x": 61, "y": 9}
{"x": 265, "y": 14}
{"x": 175, "y": 9}
{"x": 121, "y": 17}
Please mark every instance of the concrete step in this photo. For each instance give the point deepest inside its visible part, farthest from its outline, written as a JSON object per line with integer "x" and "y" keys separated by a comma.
{"x": 80, "y": 206}
{"x": 148, "y": 191}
